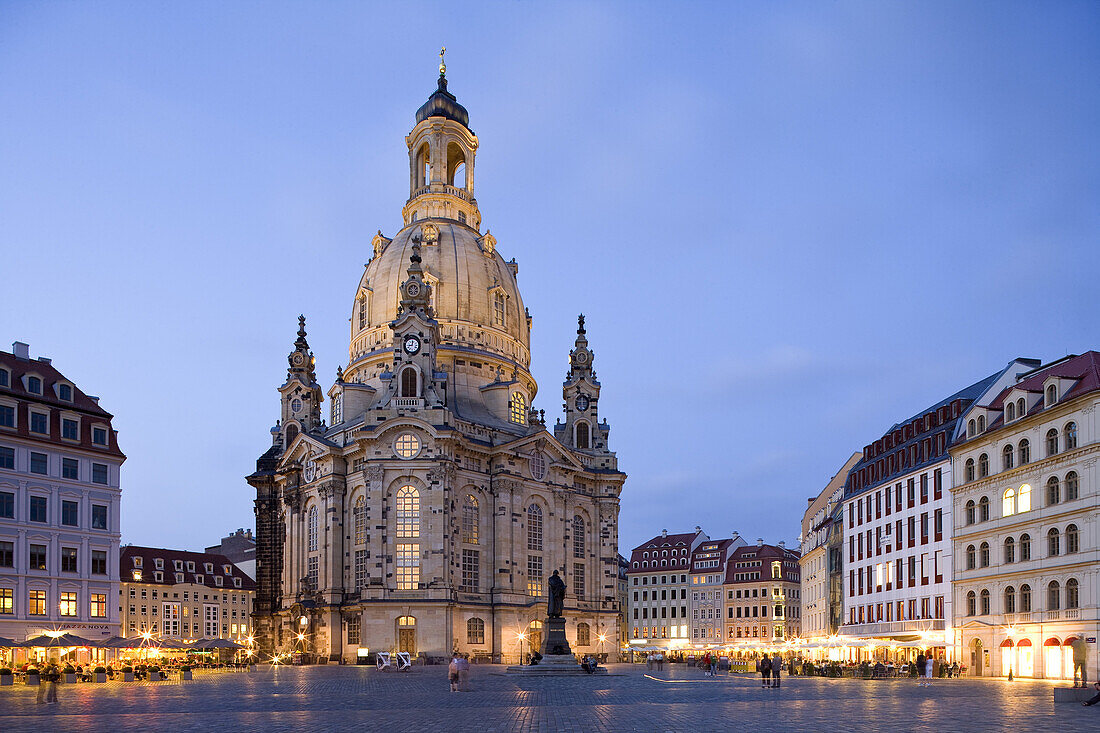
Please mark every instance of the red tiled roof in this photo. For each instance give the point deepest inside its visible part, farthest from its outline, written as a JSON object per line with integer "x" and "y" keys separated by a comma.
{"x": 50, "y": 376}
{"x": 762, "y": 553}
{"x": 1085, "y": 369}
{"x": 149, "y": 555}
{"x": 661, "y": 542}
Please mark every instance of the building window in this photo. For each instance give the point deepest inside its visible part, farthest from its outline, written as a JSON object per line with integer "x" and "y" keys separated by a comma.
{"x": 408, "y": 513}
{"x": 971, "y": 604}
{"x": 534, "y": 575}
{"x": 498, "y": 310}
{"x": 969, "y": 476}
{"x": 99, "y": 473}
{"x": 971, "y": 558}
{"x": 5, "y": 378}
{"x": 1006, "y": 457}
{"x": 408, "y": 382}
{"x": 475, "y": 631}
{"x": 1052, "y": 442}
{"x": 1010, "y": 550}
{"x": 408, "y": 566}
{"x": 7, "y": 457}
{"x": 359, "y": 519}
{"x": 1008, "y": 503}
{"x": 1025, "y": 547}
{"x": 584, "y": 634}
{"x": 69, "y": 513}
{"x": 1010, "y": 412}
{"x": 99, "y": 516}
{"x": 407, "y": 445}
{"x": 518, "y": 408}
{"x": 70, "y": 469}
{"x": 983, "y": 509}
{"x": 1025, "y": 598}
{"x": 1010, "y": 600}
{"x": 7, "y": 554}
{"x": 1073, "y": 539}
{"x": 70, "y": 429}
{"x": 36, "y": 603}
{"x": 360, "y": 569}
{"x": 311, "y": 528}
{"x": 7, "y": 416}
{"x": 65, "y": 392}
{"x": 970, "y": 429}
{"x": 534, "y": 527}
{"x": 1054, "y": 596}
{"x": 471, "y": 570}
{"x": 983, "y": 465}
{"x": 311, "y": 572}
{"x": 578, "y": 536}
{"x": 583, "y": 437}
{"x": 1054, "y": 491}
{"x": 38, "y": 463}
{"x": 68, "y": 560}
{"x": 1023, "y": 499}
{"x": 1025, "y": 452}
{"x": 578, "y": 579}
{"x": 354, "y": 630}
{"x": 1053, "y": 542}
{"x": 99, "y": 436}
{"x": 38, "y": 509}
{"x": 1071, "y": 436}
{"x": 7, "y": 597}
{"x": 985, "y": 602}
{"x": 983, "y": 554}
{"x": 470, "y": 520}
{"x": 1071, "y": 486}
{"x": 68, "y": 604}
{"x": 970, "y": 514}
{"x": 1072, "y": 593}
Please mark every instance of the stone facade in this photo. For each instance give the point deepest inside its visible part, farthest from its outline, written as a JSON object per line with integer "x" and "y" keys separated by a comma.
{"x": 428, "y": 511}
{"x": 763, "y": 594}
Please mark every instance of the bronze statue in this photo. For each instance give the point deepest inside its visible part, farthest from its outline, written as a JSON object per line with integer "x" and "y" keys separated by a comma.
{"x": 556, "y": 602}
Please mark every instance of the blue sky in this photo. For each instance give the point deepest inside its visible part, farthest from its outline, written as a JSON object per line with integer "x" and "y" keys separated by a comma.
{"x": 788, "y": 224}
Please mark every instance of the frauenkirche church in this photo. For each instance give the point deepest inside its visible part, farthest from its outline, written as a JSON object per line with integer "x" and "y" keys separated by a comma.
{"x": 427, "y": 512}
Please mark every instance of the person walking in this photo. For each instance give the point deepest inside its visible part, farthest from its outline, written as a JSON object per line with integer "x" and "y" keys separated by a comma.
{"x": 928, "y": 665}
{"x": 765, "y": 667}
{"x": 777, "y": 665}
{"x": 713, "y": 665}
{"x": 452, "y": 673}
{"x": 463, "y": 673}
{"x": 920, "y": 669}
{"x": 1080, "y": 656}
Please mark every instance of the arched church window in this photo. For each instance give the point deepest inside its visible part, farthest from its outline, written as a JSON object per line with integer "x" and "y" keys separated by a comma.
{"x": 475, "y": 631}
{"x": 311, "y": 528}
{"x": 364, "y": 312}
{"x": 408, "y": 513}
{"x": 534, "y": 527}
{"x": 291, "y": 433}
{"x": 578, "y": 536}
{"x": 582, "y": 435}
{"x": 408, "y": 382}
{"x": 498, "y": 310}
{"x": 584, "y": 634}
{"x": 470, "y": 520}
{"x": 518, "y": 408}
{"x": 359, "y": 517}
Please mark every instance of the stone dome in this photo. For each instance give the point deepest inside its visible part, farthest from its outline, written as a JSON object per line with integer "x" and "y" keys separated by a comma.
{"x": 470, "y": 282}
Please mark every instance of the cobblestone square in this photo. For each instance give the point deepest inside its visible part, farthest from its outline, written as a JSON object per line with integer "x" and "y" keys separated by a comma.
{"x": 629, "y": 699}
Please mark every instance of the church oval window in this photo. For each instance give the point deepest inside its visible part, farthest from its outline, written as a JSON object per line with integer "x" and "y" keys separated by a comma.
{"x": 538, "y": 466}
{"x": 407, "y": 445}
{"x": 518, "y": 408}
{"x": 295, "y": 405}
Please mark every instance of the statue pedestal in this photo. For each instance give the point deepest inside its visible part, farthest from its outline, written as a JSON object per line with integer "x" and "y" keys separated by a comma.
{"x": 557, "y": 657}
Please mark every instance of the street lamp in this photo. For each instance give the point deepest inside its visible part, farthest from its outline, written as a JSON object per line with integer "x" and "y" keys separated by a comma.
{"x": 521, "y": 637}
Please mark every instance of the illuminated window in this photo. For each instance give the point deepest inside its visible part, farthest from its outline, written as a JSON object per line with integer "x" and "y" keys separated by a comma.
{"x": 68, "y": 604}
{"x": 408, "y": 513}
{"x": 578, "y": 536}
{"x": 7, "y": 600}
{"x": 534, "y": 575}
{"x": 470, "y": 520}
{"x": 407, "y": 560}
{"x": 475, "y": 631}
{"x": 1008, "y": 504}
{"x": 1023, "y": 499}
{"x": 36, "y": 603}
{"x": 518, "y": 408}
{"x": 534, "y": 527}
{"x": 407, "y": 445}
{"x": 359, "y": 516}
{"x": 312, "y": 529}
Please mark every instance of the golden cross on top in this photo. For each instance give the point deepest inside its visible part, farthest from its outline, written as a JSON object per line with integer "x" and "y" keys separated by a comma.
{"x": 442, "y": 65}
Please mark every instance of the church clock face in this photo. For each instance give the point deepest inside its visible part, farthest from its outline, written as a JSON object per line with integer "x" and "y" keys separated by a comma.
{"x": 412, "y": 289}
{"x": 298, "y": 359}
{"x": 412, "y": 345}
{"x": 582, "y": 357}
{"x": 581, "y": 402}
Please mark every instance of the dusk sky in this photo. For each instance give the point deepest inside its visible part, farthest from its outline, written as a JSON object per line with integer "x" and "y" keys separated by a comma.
{"x": 789, "y": 225}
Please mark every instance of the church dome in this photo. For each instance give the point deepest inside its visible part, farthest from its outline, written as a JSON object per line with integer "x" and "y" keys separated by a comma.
{"x": 443, "y": 104}
{"x": 475, "y": 297}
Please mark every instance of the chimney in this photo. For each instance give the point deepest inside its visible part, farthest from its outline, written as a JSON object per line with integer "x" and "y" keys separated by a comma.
{"x": 782, "y": 545}
{"x": 664, "y": 533}
{"x": 759, "y": 541}
{"x": 93, "y": 398}
{"x": 698, "y": 529}
{"x": 736, "y": 534}
{"x": 45, "y": 361}
{"x": 21, "y": 350}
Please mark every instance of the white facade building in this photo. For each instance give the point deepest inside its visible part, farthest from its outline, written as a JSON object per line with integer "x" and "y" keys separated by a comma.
{"x": 658, "y": 590}
{"x": 1026, "y": 505}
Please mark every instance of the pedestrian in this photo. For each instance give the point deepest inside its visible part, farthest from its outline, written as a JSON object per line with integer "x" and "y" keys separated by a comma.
{"x": 777, "y": 664}
{"x": 452, "y": 673}
{"x": 51, "y": 691}
{"x": 920, "y": 669}
{"x": 463, "y": 673}
{"x": 765, "y": 667}
{"x": 1080, "y": 656}
{"x": 1095, "y": 698}
{"x": 649, "y": 661}
{"x": 706, "y": 664}
{"x": 714, "y": 665}
{"x": 660, "y": 661}
{"x": 928, "y": 663}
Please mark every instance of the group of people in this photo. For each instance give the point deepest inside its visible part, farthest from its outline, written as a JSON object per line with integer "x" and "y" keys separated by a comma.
{"x": 589, "y": 663}
{"x": 655, "y": 660}
{"x": 458, "y": 673}
{"x": 710, "y": 665}
{"x": 769, "y": 670}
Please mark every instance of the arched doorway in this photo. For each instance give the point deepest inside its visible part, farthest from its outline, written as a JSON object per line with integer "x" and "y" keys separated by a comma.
{"x": 406, "y": 635}
{"x": 534, "y": 636}
{"x": 1008, "y": 658}
{"x": 976, "y": 658}
{"x": 1052, "y": 659}
{"x": 1025, "y": 658}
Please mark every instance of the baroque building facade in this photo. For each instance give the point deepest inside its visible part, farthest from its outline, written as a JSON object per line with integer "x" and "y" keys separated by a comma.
{"x": 427, "y": 512}
{"x": 1027, "y": 537}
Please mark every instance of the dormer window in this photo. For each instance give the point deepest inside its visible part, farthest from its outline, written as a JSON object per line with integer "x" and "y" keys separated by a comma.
{"x": 34, "y": 385}
{"x": 227, "y": 569}
{"x": 137, "y": 562}
{"x": 218, "y": 580}
{"x": 5, "y": 378}
{"x": 190, "y": 566}
{"x": 99, "y": 436}
{"x": 179, "y": 577}
{"x": 177, "y": 564}
{"x": 1021, "y": 407}
{"x": 65, "y": 392}
{"x": 159, "y": 562}
{"x": 1052, "y": 394}
{"x": 209, "y": 567}
{"x": 1010, "y": 412}
{"x": 237, "y": 582}
{"x": 137, "y": 575}
{"x": 199, "y": 580}
{"x": 981, "y": 423}
{"x": 158, "y": 576}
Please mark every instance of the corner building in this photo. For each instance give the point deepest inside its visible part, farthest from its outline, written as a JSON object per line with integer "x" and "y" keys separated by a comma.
{"x": 426, "y": 509}
{"x": 1027, "y": 505}
{"x": 763, "y": 593}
